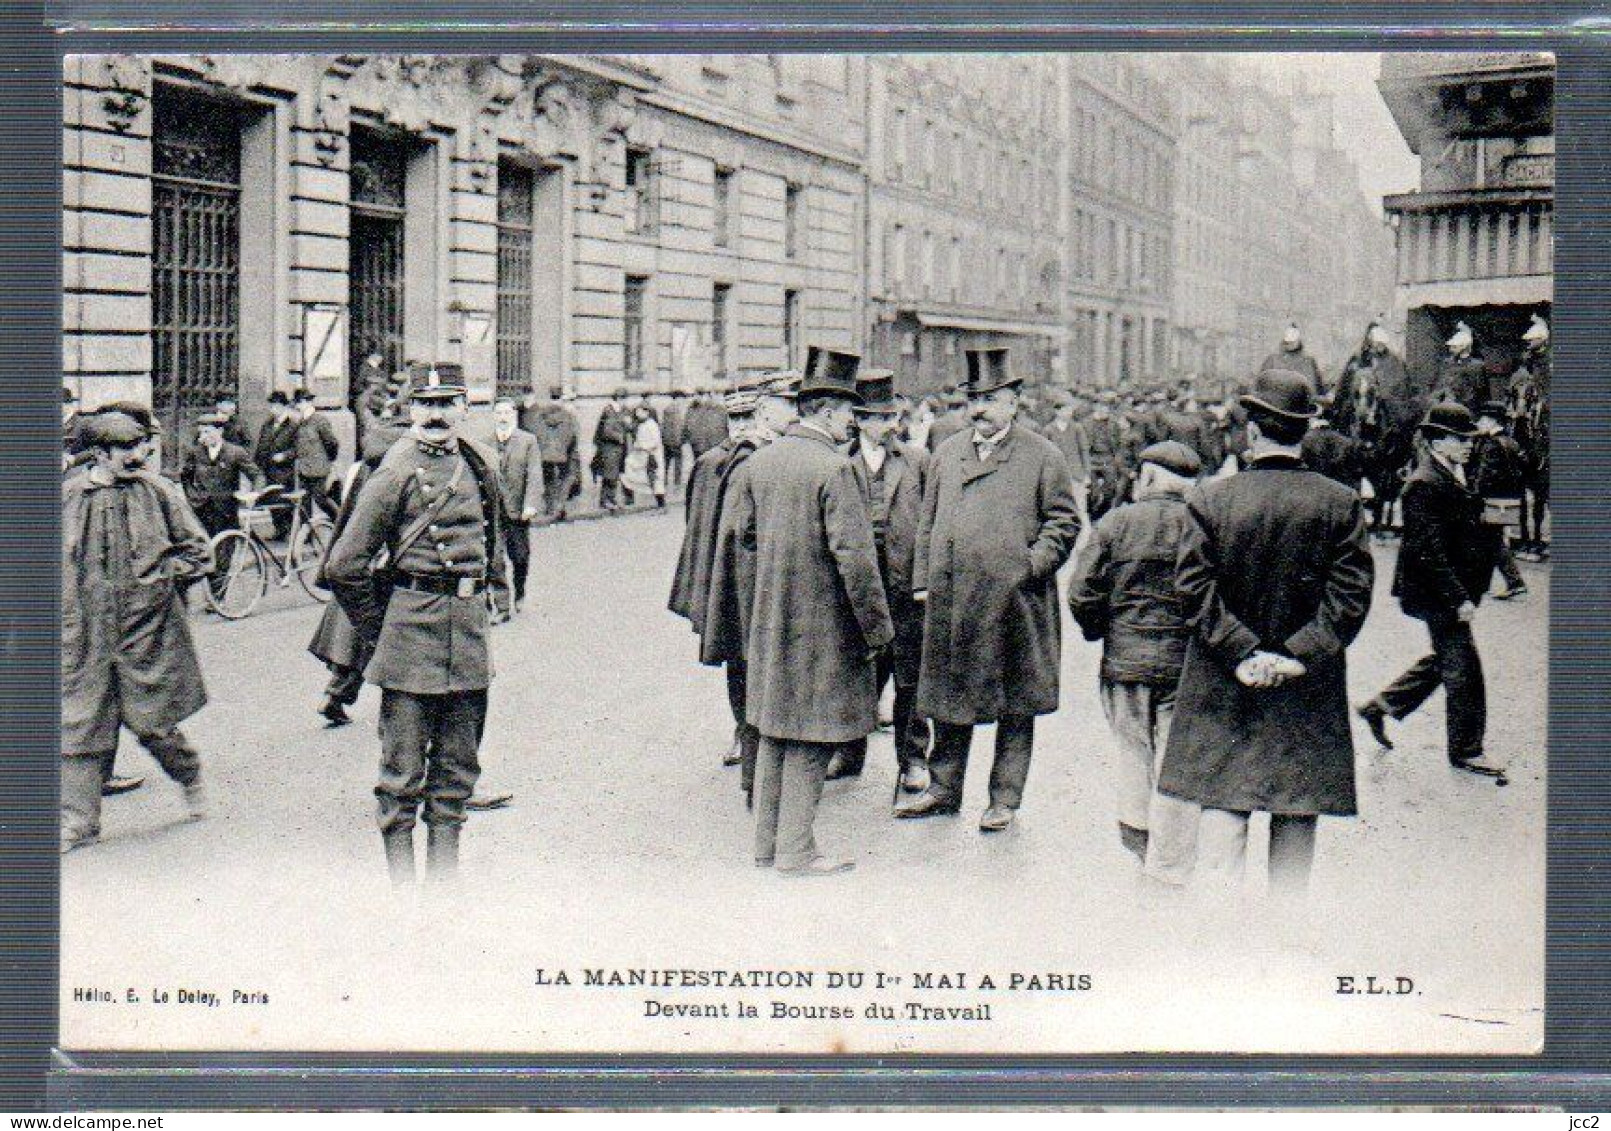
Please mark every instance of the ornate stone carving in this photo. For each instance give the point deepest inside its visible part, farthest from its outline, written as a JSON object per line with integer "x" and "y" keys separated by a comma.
{"x": 130, "y": 81}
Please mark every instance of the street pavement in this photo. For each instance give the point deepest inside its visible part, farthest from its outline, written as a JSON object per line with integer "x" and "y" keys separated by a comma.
{"x": 628, "y": 844}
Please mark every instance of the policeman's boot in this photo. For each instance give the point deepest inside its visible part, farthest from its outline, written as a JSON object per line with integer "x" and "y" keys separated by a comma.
{"x": 399, "y": 855}
{"x": 442, "y": 853}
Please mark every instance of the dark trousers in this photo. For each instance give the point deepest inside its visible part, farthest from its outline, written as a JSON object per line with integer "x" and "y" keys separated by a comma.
{"x": 911, "y": 729}
{"x": 345, "y": 684}
{"x": 218, "y": 515}
{"x": 1455, "y": 666}
{"x": 948, "y": 761}
{"x": 517, "y": 540}
{"x": 428, "y": 746}
{"x": 319, "y": 496}
{"x": 1508, "y": 569}
{"x": 172, "y": 751}
{"x": 674, "y": 466}
{"x": 749, "y": 739}
{"x": 556, "y": 489}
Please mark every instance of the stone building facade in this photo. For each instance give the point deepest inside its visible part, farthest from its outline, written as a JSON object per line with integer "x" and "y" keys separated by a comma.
{"x": 963, "y": 169}
{"x": 1120, "y": 176}
{"x": 236, "y": 224}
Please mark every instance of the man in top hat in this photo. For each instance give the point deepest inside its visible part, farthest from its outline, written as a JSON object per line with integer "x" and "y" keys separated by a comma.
{"x": 212, "y": 472}
{"x": 999, "y": 520}
{"x": 1274, "y": 575}
{"x": 129, "y": 544}
{"x": 316, "y": 449}
{"x": 818, "y": 617}
{"x": 1444, "y": 567}
{"x": 1123, "y": 594}
{"x": 729, "y": 591}
{"x": 1530, "y": 424}
{"x": 411, "y": 568}
{"x": 892, "y": 474}
{"x": 1462, "y": 377}
{"x": 1293, "y": 358}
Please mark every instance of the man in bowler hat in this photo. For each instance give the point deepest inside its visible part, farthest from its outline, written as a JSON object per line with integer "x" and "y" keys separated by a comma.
{"x": 1444, "y": 567}
{"x": 818, "y": 617}
{"x": 412, "y": 567}
{"x": 1274, "y": 576}
{"x": 999, "y": 520}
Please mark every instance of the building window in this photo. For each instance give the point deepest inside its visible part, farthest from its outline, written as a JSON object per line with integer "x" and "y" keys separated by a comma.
{"x": 956, "y": 268}
{"x": 928, "y": 263}
{"x": 635, "y": 359}
{"x": 195, "y": 258}
{"x": 375, "y": 248}
{"x": 791, "y": 329}
{"x": 897, "y": 142}
{"x": 514, "y": 279}
{"x": 895, "y": 260}
{"x": 720, "y": 313}
{"x": 641, "y": 200}
{"x": 793, "y": 221}
{"x": 722, "y": 209}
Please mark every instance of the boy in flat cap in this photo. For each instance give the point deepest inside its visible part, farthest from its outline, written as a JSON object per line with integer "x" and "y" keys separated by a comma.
{"x": 1123, "y": 594}
{"x": 129, "y": 544}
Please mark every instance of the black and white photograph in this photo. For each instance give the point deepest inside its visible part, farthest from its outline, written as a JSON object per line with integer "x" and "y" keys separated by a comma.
{"x": 998, "y": 553}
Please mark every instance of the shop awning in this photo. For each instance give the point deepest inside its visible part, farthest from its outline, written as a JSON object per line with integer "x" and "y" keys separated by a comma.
{"x": 1514, "y": 290}
{"x": 987, "y": 325}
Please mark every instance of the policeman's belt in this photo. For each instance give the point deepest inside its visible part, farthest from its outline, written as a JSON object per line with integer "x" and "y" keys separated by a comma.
{"x": 442, "y": 583}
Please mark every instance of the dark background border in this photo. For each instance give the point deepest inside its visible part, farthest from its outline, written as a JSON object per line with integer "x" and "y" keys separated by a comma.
{"x": 1572, "y": 1072}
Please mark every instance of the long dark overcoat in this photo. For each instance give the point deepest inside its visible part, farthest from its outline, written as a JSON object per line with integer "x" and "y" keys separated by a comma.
{"x": 690, "y": 583}
{"x": 1448, "y": 554}
{"x": 336, "y": 641}
{"x": 127, "y": 655}
{"x": 819, "y": 610}
{"x": 730, "y": 577}
{"x": 1274, "y": 559}
{"x": 993, "y": 536}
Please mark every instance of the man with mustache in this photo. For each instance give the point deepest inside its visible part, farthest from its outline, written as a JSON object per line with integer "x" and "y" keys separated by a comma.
{"x": 999, "y": 519}
{"x": 129, "y": 543}
{"x": 411, "y": 567}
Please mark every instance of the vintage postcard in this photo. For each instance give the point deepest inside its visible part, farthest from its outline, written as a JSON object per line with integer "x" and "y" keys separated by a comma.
{"x": 969, "y": 553}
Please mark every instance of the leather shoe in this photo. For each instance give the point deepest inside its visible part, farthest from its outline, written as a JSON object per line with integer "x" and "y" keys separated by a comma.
{"x": 1376, "y": 719}
{"x": 915, "y": 778}
{"x": 841, "y": 767}
{"x": 481, "y": 802}
{"x": 817, "y": 866}
{"x": 927, "y": 805}
{"x": 115, "y": 785}
{"x": 734, "y": 755}
{"x": 1479, "y": 765}
{"x": 995, "y": 819}
{"x": 335, "y": 714}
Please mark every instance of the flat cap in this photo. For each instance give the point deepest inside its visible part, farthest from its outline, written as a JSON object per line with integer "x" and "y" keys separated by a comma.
{"x": 111, "y": 430}
{"x": 1172, "y": 455}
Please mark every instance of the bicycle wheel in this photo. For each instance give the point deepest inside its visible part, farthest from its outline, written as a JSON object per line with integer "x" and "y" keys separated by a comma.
{"x": 307, "y": 557}
{"x": 240, "y": 578}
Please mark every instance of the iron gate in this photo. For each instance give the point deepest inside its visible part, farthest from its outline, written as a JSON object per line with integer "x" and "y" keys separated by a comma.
{"x": 195, "y": 260}
{"x": 514, "y": 280}
{"x": 375, "y": 253}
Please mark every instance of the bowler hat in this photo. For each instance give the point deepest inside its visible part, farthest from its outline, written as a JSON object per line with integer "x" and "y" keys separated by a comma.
{"x": 877, "y": 391}
{"x": 1283, "y": 393}
{"x": 1172, "y": 455}
{"x": 442, "y": 381}
{"x": 300, "y": 394}
{"x": 832, "y": 373}
{"x": 988, "y": 371}
{"x": 1451, "y": 418}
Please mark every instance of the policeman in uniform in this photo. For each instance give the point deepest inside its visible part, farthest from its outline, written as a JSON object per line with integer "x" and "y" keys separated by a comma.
{"x": 413, "y": 565}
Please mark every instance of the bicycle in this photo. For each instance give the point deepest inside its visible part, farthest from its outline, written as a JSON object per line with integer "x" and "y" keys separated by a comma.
{"x": 244, "y": 560}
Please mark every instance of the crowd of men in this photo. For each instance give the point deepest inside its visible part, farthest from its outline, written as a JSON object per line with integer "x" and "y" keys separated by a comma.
{"x": 840, "y": 538}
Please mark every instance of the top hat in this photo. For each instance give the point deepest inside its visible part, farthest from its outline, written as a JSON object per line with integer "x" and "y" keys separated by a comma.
{"x": 1451, "y": 418}
{"x": 877, "y": 391}
{"x": 1282, "y": 393}
{"x": 441, "y": 382}
{"x": 831, "y": 372}
{"x": 988, "y": 371}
